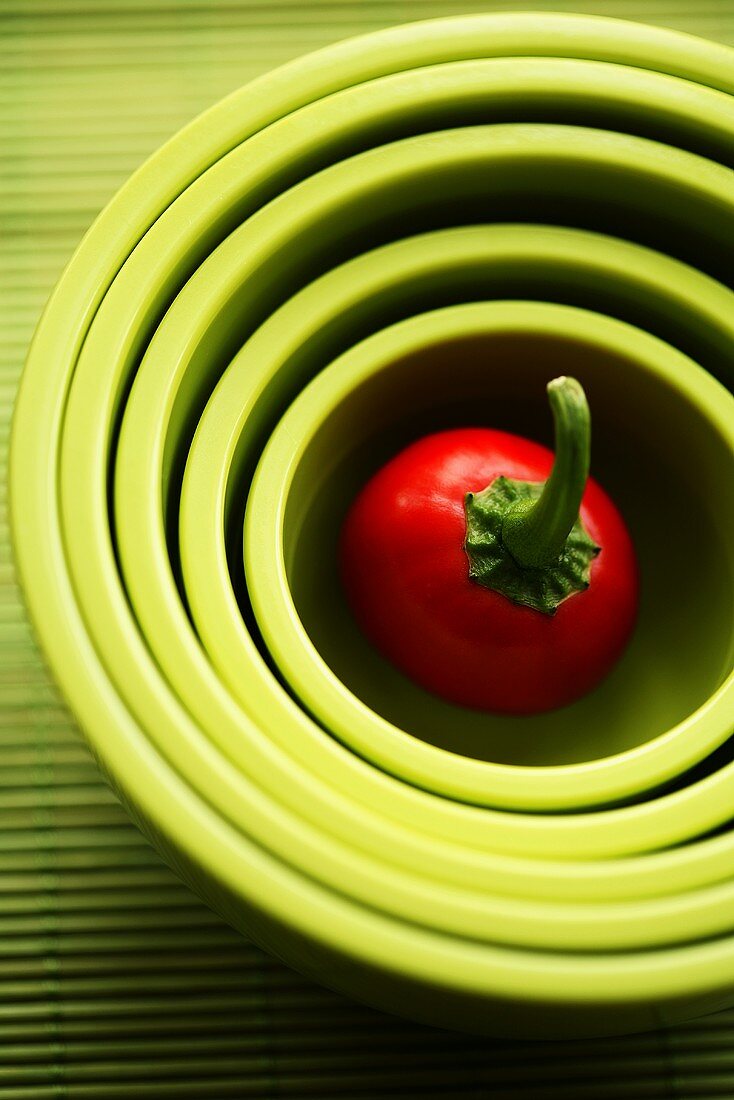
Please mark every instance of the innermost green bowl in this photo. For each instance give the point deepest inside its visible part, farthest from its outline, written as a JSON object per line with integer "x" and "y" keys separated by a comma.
{"x": 654, "y": 451}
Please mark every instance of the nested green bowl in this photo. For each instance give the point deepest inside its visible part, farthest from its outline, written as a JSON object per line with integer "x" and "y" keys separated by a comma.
{"x": 298, "y": 339}
{"x": 368, "y": 195}
{"x": 663, "y": 434}
{"x": 156, "y": 754}
{"x": 140, "y": 455}
{"x": 493, "y": 254}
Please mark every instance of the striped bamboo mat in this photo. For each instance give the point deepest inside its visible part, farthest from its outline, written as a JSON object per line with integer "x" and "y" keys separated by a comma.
{"x": 114, "y": 980}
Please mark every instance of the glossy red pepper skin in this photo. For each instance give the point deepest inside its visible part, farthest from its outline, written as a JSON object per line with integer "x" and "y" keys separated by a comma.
{"x": 406, "y": 576}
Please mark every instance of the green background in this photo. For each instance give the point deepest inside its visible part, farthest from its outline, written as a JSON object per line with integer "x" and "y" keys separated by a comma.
{"x": 114, "y": 980}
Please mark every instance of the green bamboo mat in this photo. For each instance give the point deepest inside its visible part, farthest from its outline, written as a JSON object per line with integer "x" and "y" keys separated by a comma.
{"x": 114, "y": 980}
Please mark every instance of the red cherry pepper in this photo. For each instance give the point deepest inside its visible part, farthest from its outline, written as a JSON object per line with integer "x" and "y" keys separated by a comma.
{"x": 484, "y": 579}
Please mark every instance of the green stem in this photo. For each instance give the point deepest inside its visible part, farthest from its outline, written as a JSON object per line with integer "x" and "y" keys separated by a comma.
{"x": 535, "y": 532}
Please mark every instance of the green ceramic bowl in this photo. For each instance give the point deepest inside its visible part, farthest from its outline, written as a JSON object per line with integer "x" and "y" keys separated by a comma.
{"x": 319, "y": 859}
{"x": 426, "y": 974}
{"x": 669, "y": 702}
{"x": 241, "y": 791}
{"x": 333, "y": 210}
{"x": 232, "y": 791}
{"x": 313, "y": 326}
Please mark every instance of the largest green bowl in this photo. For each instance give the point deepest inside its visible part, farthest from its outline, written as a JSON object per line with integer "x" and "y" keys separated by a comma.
{"x": 399, "y": 966}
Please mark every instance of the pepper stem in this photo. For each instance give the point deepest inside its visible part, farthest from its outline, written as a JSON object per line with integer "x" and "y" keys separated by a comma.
{"x": 535, "y": 531}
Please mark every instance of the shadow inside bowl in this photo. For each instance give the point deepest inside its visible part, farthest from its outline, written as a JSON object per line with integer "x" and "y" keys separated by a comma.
{"x": 657, "y": 456}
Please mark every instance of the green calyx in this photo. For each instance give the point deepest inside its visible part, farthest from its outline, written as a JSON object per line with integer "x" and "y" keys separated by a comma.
{"x": 525, "y": 539}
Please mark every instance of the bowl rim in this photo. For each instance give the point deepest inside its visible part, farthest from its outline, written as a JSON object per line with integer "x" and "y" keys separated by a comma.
{"x": 141, "y": 449}
{"x": 671, "y": 753}
{"x": 159, "y": 794}
{"x": 210, "y": 465}
{"x": 84, "y": 481}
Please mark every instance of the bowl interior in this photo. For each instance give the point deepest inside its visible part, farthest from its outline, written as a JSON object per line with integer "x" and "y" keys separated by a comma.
{"x": 668, "y": 470}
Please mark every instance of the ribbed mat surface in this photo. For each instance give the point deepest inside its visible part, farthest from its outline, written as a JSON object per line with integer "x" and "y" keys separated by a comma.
{"x": 114, "y": 980}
